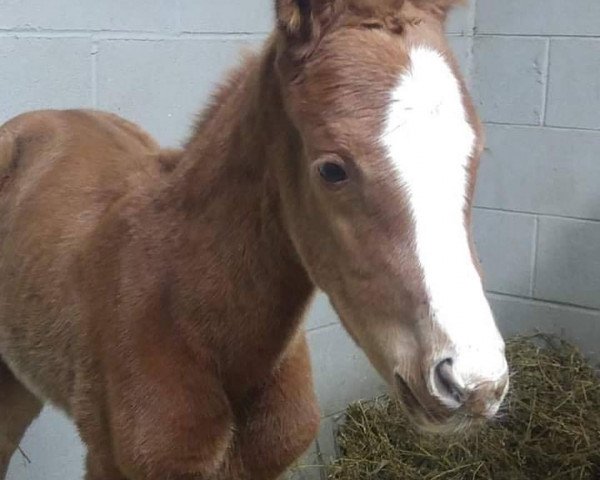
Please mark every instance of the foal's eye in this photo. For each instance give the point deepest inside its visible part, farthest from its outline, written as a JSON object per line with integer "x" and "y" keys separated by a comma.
{"x": 333, "y": 173}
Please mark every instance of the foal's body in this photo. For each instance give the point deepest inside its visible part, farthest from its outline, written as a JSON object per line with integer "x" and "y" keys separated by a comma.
{"x": 157, "y": 296}
{"x": 136, "y": 318}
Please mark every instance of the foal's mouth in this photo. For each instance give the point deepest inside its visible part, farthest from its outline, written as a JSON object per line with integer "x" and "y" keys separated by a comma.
{"x": 409, "y": 399}
{"x": 425, "y": 417}
{"x": 434, "y": 418}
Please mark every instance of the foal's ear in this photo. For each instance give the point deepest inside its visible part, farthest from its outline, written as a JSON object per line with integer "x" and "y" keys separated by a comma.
{"x": 303, "y": 20}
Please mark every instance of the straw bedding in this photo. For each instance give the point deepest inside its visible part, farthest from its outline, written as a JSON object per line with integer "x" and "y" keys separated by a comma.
{"x": 548, "y": 429}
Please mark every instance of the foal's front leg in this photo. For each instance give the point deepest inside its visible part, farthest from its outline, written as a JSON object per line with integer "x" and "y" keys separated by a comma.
{"x": 173, "y": 421}
{"x": 279, "y": 424}
{"x": 167, "y": 418}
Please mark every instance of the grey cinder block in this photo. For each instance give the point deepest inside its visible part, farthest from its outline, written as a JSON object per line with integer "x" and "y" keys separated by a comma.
{"x": 157, "y": 15}
{"x": 320, "y": 313}
{"x": 538, "y": 17}
{"x": 509, "y": 79}
{"x": 40, "y": 73}
{"x": 461, "y": 19}
{"x": 241, "y": 16}
{"x": 163, "y": 84}
{"x": 53, "y": 448}
{"x": 541, "y": 170}
{"x": 569, "y": 262}
{"x": 574, "y": 83}
{"x": 520, "y": 316}
{"x": 505, "y": 247}
{"x": 342, "y": 372}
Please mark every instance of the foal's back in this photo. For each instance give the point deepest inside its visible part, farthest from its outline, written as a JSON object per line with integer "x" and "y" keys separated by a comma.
{"x": 60, "y": 173}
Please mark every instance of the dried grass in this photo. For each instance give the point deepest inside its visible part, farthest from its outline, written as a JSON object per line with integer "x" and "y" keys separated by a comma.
{"x": 549, "y": 428}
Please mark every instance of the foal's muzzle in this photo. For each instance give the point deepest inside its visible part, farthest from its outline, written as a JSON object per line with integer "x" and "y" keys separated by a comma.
{"x": 444, "y": 400}
{"x": 479, "y": 399}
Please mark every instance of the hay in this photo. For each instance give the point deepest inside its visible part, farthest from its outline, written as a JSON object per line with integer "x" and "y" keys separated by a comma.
{"x": 550, "y": 428}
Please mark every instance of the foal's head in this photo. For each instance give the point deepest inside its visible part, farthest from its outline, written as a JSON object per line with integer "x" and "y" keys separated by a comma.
{"x": 378, "y": 196}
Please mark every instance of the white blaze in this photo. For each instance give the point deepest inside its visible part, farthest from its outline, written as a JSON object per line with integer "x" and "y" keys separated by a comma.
{"x": 430, "y": 141}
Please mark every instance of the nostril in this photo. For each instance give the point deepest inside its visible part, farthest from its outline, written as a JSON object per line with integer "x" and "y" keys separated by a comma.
{"x": 447, "y": 383}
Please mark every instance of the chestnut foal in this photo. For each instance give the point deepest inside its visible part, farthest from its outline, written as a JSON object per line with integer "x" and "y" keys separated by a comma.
{"x": 157, "y": 297}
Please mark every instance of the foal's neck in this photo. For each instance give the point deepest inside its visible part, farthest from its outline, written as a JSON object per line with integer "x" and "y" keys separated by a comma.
{"x": 227, "y": 185}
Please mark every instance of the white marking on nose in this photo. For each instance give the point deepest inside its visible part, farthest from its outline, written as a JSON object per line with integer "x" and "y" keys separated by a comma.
{"x": 430, "y": 140}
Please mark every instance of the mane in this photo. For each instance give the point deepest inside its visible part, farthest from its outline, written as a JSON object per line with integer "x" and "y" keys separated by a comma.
{"x": 382, "y": 8}
{"x": 365, "y": 12}
{"x": 439, "y": 7}
{"x": 223, "y": 92}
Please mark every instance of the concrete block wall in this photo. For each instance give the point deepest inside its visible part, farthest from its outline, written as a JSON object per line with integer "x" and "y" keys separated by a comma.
{"x": 536, "y": 81}
{"x": 533, "y": 67}
{"x": 153, "y": 62}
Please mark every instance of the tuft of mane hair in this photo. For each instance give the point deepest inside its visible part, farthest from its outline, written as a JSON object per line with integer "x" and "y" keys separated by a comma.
{"x": 439, "y": 7}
